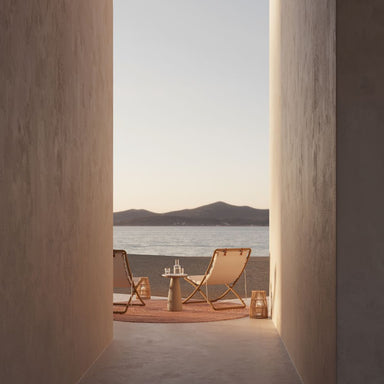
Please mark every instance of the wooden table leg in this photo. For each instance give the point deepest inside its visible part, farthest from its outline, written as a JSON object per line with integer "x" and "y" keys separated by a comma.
{"x": 174, "y": 295}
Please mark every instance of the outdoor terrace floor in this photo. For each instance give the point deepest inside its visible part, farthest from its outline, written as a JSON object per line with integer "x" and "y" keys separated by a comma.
{"x": 232, "y": 351}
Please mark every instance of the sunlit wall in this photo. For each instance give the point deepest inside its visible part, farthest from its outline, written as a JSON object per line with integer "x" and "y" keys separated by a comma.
{"x": 303, "y": 184}
{"x": 55, "y": 188}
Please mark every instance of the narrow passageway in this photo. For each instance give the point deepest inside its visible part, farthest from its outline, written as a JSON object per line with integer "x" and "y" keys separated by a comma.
{"x": 233, "y": 351}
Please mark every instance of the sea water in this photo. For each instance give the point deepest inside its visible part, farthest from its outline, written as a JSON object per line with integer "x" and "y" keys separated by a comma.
{"x": 189, "y": 241}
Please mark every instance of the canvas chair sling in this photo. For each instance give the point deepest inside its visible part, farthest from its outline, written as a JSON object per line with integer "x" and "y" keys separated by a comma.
{"x": 225, "y": 268}
{"x": 122, "y": 278}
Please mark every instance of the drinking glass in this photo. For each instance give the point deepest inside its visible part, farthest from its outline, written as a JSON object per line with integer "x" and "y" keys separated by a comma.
{"x": 167, "y": 271}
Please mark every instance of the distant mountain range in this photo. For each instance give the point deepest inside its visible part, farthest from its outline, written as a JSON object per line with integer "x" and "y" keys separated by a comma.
{"x": 218, "y": 213}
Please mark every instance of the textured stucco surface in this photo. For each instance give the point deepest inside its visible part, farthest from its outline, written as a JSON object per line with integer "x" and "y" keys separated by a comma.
{"x": 303, "y": 183}
{"x": 360, "y": 191}
{"x": 55, "y": 188}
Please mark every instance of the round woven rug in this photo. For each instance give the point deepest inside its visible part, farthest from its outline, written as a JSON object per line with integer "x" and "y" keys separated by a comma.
{"x": 155, "y": 311}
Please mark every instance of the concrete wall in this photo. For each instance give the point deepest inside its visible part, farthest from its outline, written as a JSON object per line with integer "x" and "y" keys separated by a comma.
{"x": 360, "y": 191}
{"x": 303, "y": 183}
{"x": 55, "y": 188}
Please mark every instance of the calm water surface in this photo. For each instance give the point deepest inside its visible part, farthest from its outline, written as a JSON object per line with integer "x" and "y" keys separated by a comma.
{"x": 190, "y": 241}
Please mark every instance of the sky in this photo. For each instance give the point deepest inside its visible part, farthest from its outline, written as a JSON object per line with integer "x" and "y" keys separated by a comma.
{"x": 190, "y": 103}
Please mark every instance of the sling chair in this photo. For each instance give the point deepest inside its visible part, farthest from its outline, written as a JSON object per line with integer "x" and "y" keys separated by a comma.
{"x": 225, "y": 268}
{"x": 122, "y": 278}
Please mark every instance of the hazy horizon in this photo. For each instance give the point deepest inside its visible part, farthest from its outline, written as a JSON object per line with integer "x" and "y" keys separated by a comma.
{"x": 179, "y": 209}
{"x": 190, "y": 104}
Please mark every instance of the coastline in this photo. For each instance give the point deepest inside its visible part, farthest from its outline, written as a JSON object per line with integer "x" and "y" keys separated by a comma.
{"x": 152, "y": 266}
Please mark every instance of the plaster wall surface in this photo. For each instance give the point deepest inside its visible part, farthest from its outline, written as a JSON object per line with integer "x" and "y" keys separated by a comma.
{"x": 55, "y": 188}
{"x": 303, "y": 183}
{"x": 360, "y": 191}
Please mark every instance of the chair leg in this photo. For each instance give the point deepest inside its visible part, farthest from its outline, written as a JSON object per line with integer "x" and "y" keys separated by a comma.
{"x": 222, "y": 295}
{"x": 210, "y": 302}
{"x": 196, "y": 289}
{"x": 123, "y": 305}
{"x": 136, "y": 292}
{"x": 229, "y": 289}
{"x": 126, "y": 305}
{"x": 237, "y": 295}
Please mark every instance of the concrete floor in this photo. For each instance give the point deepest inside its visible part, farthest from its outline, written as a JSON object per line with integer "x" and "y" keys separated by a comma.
{"x": 233, "y": 351}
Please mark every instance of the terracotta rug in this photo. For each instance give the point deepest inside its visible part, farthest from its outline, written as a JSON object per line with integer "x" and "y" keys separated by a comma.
{"x": 155, "y": 311}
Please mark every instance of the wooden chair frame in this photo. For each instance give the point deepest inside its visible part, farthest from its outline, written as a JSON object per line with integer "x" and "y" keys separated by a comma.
{"x": 133, "y": 282}
{"x": 197, "y": 287}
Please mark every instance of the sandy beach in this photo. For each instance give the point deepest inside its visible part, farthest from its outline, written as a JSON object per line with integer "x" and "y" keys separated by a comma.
{"x": 153, "y": 266}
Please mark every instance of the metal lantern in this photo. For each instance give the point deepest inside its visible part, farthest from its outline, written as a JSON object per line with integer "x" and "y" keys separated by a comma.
{"x": 259, "y": 305}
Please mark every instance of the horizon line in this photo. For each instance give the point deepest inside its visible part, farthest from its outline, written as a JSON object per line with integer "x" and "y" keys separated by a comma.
{"x": 181, "y": 209}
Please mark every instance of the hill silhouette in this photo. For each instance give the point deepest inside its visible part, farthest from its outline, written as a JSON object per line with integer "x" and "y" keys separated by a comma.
{"x": 218, "y": 213}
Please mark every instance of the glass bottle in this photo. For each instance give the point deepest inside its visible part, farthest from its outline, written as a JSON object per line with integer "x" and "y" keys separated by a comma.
{"x": 177, "y": 267}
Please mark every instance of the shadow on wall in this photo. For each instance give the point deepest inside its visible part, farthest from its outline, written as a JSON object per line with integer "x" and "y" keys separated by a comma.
{"x": 272, "y": 290}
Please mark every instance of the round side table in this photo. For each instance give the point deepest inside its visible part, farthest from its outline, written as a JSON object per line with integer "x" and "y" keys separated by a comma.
{"x": 174, "y": 293}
